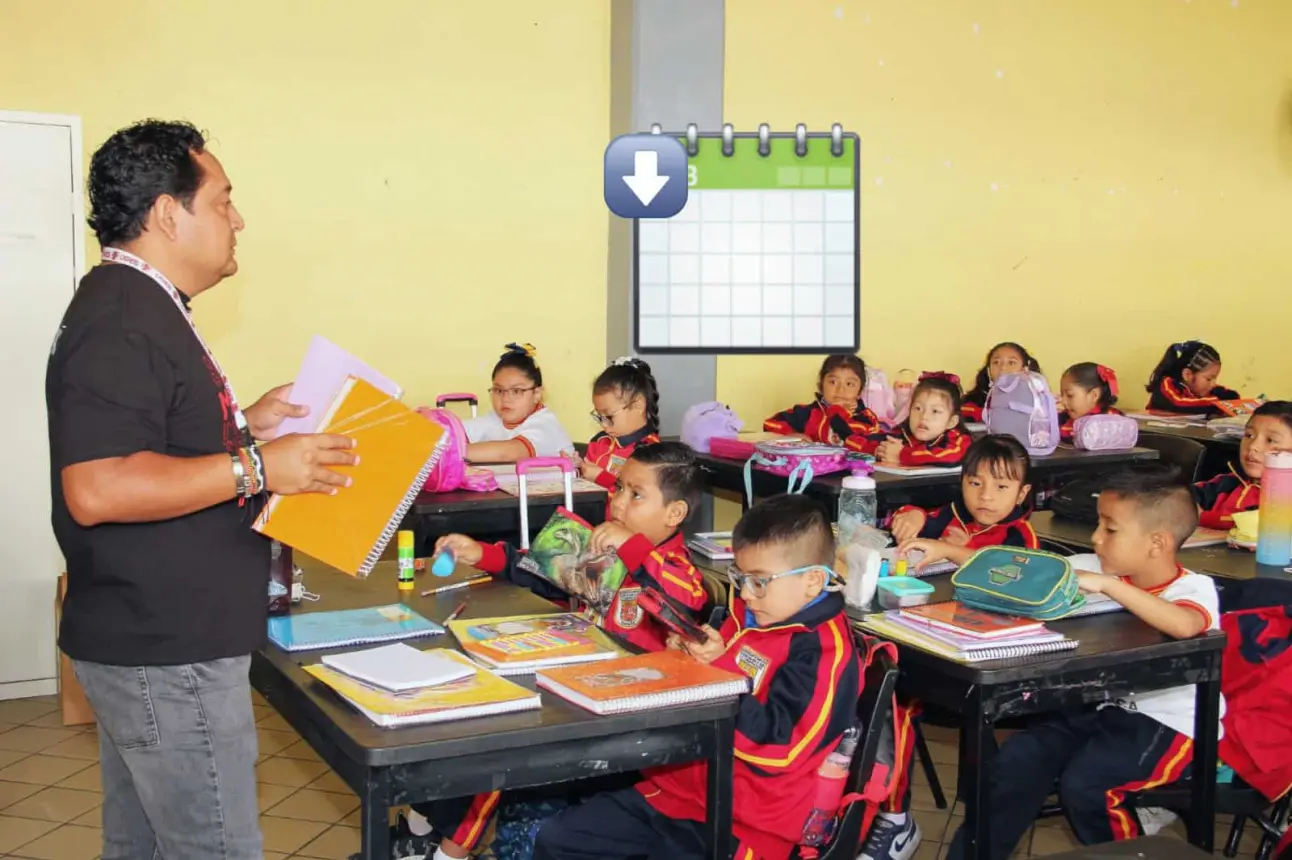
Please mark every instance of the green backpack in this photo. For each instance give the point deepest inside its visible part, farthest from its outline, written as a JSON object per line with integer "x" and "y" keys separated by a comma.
{"x": 1029, "y": 583}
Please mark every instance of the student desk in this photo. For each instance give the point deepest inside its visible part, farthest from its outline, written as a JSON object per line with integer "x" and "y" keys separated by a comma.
{"x": 491, "y": 516}
{"x": 1118, "y": 653}
{"x": 1218, "y": 448}
{"x": 560, "y": 742}
{"x": 1212, "y": 560}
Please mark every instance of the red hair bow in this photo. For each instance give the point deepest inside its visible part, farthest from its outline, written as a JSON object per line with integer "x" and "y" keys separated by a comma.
{"x": 1109, "y": 377}
{"x": 941, "y": 374}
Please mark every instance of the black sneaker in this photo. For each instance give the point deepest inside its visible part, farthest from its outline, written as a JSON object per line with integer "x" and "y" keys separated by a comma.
{"x": 407, "y": 845}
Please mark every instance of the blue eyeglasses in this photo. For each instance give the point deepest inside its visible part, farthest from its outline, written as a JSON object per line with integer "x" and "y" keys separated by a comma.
{"x": 757, "y": 585}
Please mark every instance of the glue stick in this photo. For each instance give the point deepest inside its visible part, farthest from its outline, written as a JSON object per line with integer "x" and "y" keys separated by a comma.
{"x": 901, "y": 567}
{"x": 406, "y": 560}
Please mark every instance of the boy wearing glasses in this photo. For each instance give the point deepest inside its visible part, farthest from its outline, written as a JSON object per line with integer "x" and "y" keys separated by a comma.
{"x": 787, "y": 631}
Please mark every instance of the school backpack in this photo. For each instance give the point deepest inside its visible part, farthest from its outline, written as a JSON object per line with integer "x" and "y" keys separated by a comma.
{"x": 704, "y": 421}
{"x": 513, "y": 830}
{"x": 1078, "y": 501}
{"x": 1029, "y": 583}
{"x": 796, "y": 459}
{"x": 1021, "y": 405}
{"x": 1105, "y": 432}
{"x": 878, "y": 396}
{"x": 450, "y": 471}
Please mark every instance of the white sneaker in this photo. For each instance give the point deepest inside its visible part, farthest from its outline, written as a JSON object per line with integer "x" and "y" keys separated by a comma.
{"x": 1155, "y": 819}
{"x": 889, "y": 841}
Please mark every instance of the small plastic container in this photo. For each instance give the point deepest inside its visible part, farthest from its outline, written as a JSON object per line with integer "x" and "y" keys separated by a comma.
{"x": 898, "y": 592}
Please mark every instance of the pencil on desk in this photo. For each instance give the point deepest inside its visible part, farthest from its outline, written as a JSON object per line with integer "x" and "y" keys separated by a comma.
{"x": 455, "y": 613}
{"x": 463, "y": 584}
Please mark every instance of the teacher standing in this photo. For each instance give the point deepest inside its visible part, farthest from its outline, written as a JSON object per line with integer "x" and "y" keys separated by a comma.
{"x": 156, "y": 478}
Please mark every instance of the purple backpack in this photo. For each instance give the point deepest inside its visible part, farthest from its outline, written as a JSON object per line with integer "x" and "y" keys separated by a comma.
{"x": 704, "y": 421}
{"x": 1021, "y": 405}
{"x": 796, "y": 459}
{"x": 1105, "y": 432}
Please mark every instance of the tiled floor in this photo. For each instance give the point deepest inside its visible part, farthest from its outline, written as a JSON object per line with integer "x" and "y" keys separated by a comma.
{"x": 50, "y": 794}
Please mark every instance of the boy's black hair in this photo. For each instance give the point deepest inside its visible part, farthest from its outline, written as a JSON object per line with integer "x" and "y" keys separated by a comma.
{"x": 792, "y": 520}
{"x": 1089, "y": 376}
{"x": 520, "y": 356}
{"x": 677, "y": 472}
{"x": 1190, "y": 355}
{"x": 942, "y": 385}
{"x": 1280, "y": 409}
{"x": 982, "y": 382}
{"x": 842, "y": 361}
{"x": 1162, "y": 499}
{"x": 631, "y": 378}
{"x": 1003, "y": 457}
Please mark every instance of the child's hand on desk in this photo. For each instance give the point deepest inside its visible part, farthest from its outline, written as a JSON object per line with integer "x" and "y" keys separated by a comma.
{"x": 1091, "y": 583}
{"x": 709, "y": 651}
{"x": 906, "y": 525}
{"x": 934, "y": 550}
{"x": 608, "y": 537}
{"x": 890, "y": 452}
{"x": 464, "y": 549}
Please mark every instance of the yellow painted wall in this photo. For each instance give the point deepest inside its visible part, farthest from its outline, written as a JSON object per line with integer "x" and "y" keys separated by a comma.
{"x": 420, "y": 178}
{"x": 1139, "y": 152}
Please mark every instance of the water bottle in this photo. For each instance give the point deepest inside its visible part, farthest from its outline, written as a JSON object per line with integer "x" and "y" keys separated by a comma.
{"x": 832, "y": 777}
{"x": 858, "y": 506}
{"x": 1274, "y": 537}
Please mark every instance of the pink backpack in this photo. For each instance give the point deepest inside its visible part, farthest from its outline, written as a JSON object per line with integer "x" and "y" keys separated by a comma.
{"x": 1021, "y": 405}
{"x": 878, "y": 396}
{"x": 796, "y": 459}
{"x": 1105, "y": 432}
{"x": 451, "y": 472}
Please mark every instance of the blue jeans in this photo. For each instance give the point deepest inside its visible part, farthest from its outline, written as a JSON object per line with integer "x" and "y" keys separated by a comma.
{"x": 177, "y": 747}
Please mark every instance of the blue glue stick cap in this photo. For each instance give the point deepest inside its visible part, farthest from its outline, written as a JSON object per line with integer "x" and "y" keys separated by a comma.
{"x": 443, "y": 564}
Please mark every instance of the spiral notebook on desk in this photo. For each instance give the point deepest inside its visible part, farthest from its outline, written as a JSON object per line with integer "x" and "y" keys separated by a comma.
{"x": 341, "y": 628}
{"x": 397, "y": 449}
{"x": 962, "y": 649}
{"x": 643, "y": 682}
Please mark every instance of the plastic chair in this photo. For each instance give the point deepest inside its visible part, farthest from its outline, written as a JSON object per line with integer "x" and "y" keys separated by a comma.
{"x": 1179, "y": 451}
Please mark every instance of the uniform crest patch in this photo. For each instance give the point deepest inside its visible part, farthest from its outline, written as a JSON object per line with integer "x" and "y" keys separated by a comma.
{"x": 628, "y": 614}
{"x": 617, "y": 463}
{"x": 752, "y": 664}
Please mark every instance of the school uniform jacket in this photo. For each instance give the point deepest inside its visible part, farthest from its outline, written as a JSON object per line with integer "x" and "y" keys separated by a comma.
{"x": 666, "y": 568}
{"x": 806, "y": 678}
{"x": 946, "y": 450}
{"x": 1172, "y": 395}
{"x": 610, "y": 453}
{"x": 1223, "y": 496}
{"x": 971, "y": 407}
{"x": 1067, "y": 422}
{"x": 1014, "y": 530}
{"x": 833, "y": 425}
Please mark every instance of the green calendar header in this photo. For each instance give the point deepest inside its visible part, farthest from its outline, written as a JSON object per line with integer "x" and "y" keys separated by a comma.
{"x": 780, "y": 169}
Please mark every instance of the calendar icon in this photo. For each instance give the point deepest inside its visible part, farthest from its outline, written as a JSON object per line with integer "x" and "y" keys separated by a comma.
{"x": 765, "y": 256}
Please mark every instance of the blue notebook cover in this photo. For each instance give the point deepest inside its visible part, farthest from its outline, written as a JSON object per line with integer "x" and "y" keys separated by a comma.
{"x": 343, "y": 627}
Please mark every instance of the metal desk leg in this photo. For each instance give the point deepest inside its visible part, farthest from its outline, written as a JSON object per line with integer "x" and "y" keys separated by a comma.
{"x": 1206, "y": 737}
{"x": 375, "y": 816}
{"x": 717, "y": 822}
{"x": 976, "y": 749}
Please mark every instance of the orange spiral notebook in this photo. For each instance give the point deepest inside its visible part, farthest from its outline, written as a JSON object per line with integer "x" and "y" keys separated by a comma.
{"x": 397, "y": 449}
{"x": 643, "y": 682}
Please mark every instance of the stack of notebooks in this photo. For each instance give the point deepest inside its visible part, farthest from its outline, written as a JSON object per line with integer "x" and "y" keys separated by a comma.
{"x": 523, "y": 644}
{"x": 967, "y": 635}
{"x": 398, "y": 685}
{"x": 715, "y": 546}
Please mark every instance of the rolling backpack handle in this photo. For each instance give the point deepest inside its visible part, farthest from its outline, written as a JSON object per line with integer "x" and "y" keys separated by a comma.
{"x": 526, "y": 466}
{"x": 459, "y": 397}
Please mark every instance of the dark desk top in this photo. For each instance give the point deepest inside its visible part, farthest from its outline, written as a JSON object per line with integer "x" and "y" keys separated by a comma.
{"x": 557, "y": 721}
{"x": 1189, "y": 431}
{"x": 458, "y": 501}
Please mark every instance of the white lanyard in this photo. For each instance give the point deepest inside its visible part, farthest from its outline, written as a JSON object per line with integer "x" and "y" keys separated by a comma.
{"x": 125, "y": 258}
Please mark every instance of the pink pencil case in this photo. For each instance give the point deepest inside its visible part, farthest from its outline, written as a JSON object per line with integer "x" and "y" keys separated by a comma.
{"x": 730, "y": 448}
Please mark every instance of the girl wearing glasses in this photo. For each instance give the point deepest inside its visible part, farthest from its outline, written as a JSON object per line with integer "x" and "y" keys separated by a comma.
{"x": 519, "y": 426}
{"x": 625, "y": 403}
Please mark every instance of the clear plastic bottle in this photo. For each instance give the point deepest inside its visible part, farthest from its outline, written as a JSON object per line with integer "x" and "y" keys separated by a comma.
{"x": 832, "y": 778}
{"x": 858, "y": 506}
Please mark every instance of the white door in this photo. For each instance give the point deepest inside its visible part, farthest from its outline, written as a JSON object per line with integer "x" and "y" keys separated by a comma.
{"x": 41, "y": 257}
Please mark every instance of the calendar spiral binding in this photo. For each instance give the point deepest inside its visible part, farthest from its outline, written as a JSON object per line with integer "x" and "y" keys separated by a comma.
{"x": 728, "y": 135}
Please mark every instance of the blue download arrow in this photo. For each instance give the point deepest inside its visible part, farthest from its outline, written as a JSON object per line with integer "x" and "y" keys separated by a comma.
{"x": 645, "y": 181}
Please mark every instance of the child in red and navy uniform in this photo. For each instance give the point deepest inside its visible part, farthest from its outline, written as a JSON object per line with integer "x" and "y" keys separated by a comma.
{"x": 657, "y": 489}
{"x": 788, "y": 632}
{"x": 1269, "y": 430}
{"x": 837, "y": 415}
{"x": 1085, "y": 389}
{"x": 625, "y": 403}
{"x": 929, "y": 436}
{"x": 992, "y": 509}
{"x": 1007, "y": 357}
{"x": 1184, "y": 381}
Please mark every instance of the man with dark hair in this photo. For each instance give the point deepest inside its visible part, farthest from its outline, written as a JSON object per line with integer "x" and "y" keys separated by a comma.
{"x": 156, "y": 476}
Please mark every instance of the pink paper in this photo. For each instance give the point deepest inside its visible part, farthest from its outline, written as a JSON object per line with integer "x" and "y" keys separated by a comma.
{"x": 321, "y": 376}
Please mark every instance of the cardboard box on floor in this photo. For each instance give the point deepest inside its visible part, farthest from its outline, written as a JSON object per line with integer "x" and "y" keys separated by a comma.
{"x": 76, "y": 708}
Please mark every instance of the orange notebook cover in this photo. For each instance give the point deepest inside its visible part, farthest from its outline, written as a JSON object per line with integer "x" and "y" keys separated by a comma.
{"x": 643, "y": 682}
{"x": 397, "y": 449}
{"x": 961, "y": 619}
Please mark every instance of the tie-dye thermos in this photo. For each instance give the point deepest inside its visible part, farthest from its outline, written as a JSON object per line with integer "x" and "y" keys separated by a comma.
{"x": 1274, "y": 540}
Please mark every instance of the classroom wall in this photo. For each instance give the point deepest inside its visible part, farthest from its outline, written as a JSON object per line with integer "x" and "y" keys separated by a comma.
{"x": 1093, "y": 178}
{"x": 421, "y": 180}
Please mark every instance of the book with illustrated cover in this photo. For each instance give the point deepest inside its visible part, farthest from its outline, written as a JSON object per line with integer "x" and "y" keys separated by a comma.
{"x": 480, "y": 694}
{"x": 521, "y": 644}
{"x": 642, "y": 682}
{"x": 965, "y": 621}
{"x": 336, "y": 629}
{"x": 560, "y": 554}
{"x": 885, "y": 628}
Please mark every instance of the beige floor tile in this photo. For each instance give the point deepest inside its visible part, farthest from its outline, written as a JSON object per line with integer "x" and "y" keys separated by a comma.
{"x": 4, "y": 727}
{"x": 89, "y": 779}
{"x": 257, "y": 699}
{"x": 300, "y": 750}
{"x": 54, "y": 720}
{"x": 80, "y": 746}
{"x": 284, "y": 771}
{"x": 274, "y": 855}
{"x": 287, "y": 835}
{"x": 922, "y": 799}
{"x": 260, "y": 711}
{"x": 12, "y": 792}
{"x": 56, "y": 804}
{"x": 272, "y": 795}
{"x": 68, "y": 842}
{"x": 24, "y": 710}
{"x": 355, "y": 819}
{"x": 928, "y": 850}
{"x": 337, "y": 843}
{"x": 8, "y": 757}
{"x": 93, "y": 818}
{"x": 944, "y": 753}
{"x": 1052, "y": 840}
{"x": 312, "y": 805}
{"x": 16, "y": 832}
{"x": 274, "y": 720}
{"x": 329, "y": 781}
{"x": 42, "y": 770}
{"x": 33, "y": 738}
{"x": 270, "y": 741}
{"x": 51, "y": 698}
